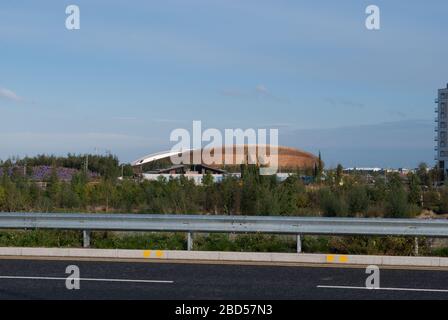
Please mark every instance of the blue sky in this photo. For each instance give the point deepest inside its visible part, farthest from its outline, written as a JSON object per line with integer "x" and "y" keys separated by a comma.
{"x": 137, "y": 70}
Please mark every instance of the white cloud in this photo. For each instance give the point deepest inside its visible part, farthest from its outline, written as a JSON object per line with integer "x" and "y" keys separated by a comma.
{"x": 262, "y": 89}
{"x": 166, "y": 120}
{"x": 10, "y": 95}
{"x": 259, "y": 92}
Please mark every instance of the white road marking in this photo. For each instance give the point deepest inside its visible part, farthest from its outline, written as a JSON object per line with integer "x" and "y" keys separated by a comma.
{"x": 385, "y": 289}
{"x": 87, "y": 279}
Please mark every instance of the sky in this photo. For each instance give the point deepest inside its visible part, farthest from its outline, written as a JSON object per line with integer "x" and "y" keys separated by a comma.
{"x": 137, "y": 70}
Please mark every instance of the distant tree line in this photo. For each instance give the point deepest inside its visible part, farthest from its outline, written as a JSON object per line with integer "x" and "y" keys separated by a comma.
{"x": 105, "y": 165}
{"x": 335, "y": 195}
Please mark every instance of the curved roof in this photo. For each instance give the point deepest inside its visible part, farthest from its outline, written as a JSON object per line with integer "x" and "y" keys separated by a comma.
{"x": 156, "y": 156}
{"x": 287, "y": 157}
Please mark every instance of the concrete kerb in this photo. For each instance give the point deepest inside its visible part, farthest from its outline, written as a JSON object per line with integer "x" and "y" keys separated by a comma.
{"x": 214, "y": 256}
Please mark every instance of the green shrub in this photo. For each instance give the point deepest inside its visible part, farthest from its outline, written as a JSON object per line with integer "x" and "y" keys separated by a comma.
{"x": 316, "y": 244}
{"x": 332, "y": 205}
{"x": 398, "y": 246}
{"x": 443, "y": 202}
{"x": 153, "y": 241}
{"x": 397, "y": 205}
{"x": 439, "y": 252}
{"x": 40, "y": 238}
{"x": 358, "y": 201}
{"x": 248, "y": 243}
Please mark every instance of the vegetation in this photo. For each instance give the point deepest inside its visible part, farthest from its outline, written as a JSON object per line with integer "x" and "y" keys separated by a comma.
{"x": 335, "y": 195}
{"x": 220, "y": 242}
{"x": 94, "y": 187}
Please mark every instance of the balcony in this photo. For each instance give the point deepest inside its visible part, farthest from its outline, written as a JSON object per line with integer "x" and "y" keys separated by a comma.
{"x": 436, "y": 109}
{"x": 436, "y": 100}
{"x": 436, "y": 129}
{"x": 436, "y": 119}
{"x": 436, "y": 139}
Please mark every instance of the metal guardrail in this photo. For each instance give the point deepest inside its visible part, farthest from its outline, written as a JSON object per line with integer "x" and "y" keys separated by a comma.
{"x": 225, "y": 224}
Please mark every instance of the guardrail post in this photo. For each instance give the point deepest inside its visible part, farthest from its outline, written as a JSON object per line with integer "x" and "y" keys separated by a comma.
{"x": 299, "y": 243}
{"x": 416, "y": 246}
{"x": 86, "y": 238}
{"x": 189, "y": 241}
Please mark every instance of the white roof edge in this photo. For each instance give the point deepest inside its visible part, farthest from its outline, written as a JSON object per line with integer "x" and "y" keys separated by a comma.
{"x": 157, "y": 156}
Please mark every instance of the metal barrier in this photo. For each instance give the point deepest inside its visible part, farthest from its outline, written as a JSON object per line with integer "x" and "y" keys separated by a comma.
{"x": 225, "y": 224}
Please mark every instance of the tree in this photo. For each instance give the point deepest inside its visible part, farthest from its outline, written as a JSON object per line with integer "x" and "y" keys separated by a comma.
{"x": 318, "y": 168}
{"x": 331, "y": 204}
{"x": 423, "y": 174}
{"x": 339, "y": 172}
{"x": 415, "y": 190}
{"x": 397, "y": 205}
{"x": 54, "y": 188}
{"x": 230, "y": 190}
{"x": 378, "y": 192}
{"x": 443, "y": 202}
{"x": 290, "y": 195}
{"x": 2, "y": 198}
{"x": 358, "y": 201}
{"x": 207, "y": 180}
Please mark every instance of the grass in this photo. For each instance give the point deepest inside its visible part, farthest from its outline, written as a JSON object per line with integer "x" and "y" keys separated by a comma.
{"x": 439, "y": 252}
{"x": 217, "y": 242}
{"x": 148, "y": 240}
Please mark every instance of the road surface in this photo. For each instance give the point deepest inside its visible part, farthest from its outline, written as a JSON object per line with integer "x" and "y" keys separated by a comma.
{"x": 46, "y": 279}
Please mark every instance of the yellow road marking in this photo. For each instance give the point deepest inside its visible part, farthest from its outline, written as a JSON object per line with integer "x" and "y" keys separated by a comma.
{"x": 330, "y": 258}
{"x": 343, "y": 259}
{"x": 159, "y": 253}
{"x": 146, "y": 253}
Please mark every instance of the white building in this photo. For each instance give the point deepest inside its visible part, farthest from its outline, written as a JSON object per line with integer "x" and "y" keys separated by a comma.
{"x": 197, "y": 178}
{"x": 441, "y": 130}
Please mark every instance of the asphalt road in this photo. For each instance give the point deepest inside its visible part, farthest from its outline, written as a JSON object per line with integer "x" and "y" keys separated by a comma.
{"x": 41, "y": 279}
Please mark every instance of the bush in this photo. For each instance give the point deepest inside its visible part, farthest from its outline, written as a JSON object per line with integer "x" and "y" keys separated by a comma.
{"x": 153, "y": 241}
{"x": 40, "y": 238}
{"x": 375, "y": 211}
{"x": 377, "y": 245}
{"x": 439, "y": 252}
{"x": 248, "y": 243}
{"x": 431, "y": 200}
{"x": 358, "y": 201}
{"x": 2, "y": 197}
{"x": 316, "y": 244}
{"x": 443, "y": 202}
{"x": 397, "y": 205}
{"x": 332, "y": 205}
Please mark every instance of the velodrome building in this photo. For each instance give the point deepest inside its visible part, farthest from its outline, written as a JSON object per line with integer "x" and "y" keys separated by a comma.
{"x": 156, "y": 165}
